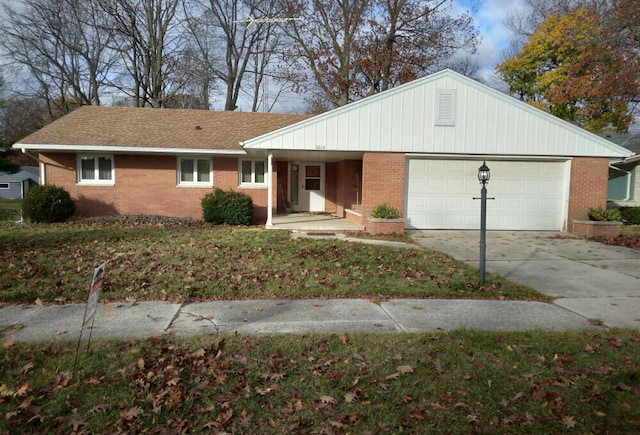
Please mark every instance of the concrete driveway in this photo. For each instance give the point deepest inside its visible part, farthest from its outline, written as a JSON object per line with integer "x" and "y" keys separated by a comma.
{"x": 592, "y": 279}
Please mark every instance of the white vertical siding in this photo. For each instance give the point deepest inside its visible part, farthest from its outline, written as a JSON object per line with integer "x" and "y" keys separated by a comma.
{"x": 403, "y": 120}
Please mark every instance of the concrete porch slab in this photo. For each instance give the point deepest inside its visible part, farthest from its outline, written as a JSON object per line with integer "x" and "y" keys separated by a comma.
{"x": 313, "y": 222}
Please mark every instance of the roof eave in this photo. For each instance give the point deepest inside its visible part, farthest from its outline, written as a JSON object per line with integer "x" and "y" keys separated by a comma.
{"x": 122, "y": 149}
{"x": 632, "y": 158}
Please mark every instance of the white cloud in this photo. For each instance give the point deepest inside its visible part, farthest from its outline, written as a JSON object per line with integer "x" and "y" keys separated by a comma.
{"x": 490, "y": 16}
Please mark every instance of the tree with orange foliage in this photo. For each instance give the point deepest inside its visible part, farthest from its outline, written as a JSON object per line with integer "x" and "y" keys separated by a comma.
{"x": 573, "y": 68}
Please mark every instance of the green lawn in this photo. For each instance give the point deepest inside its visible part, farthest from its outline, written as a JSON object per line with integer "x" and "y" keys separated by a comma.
{"x": 180, "y": 260}
{"x": 456, "y": 382}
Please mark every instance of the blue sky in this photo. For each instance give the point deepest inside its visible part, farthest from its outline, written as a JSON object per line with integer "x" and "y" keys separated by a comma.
{"x": 489, "y": 16}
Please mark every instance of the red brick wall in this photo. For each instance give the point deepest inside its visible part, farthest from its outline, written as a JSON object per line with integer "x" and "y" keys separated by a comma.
{"x": 383, "y": 180}
{"x": 588, "y": 187}
{"x": 349, "y": 182}
{"x": 353, "y": 185}
{"x": 145, "y": 185}
{"x": 330, "y": 187}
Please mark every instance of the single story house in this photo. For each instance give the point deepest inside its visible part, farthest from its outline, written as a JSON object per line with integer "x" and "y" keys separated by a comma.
{"x": 624, "y": 175}
{"x": 16, "y": 186}
{"x": 416, "y": 147}
{"x": 118, "y": 161}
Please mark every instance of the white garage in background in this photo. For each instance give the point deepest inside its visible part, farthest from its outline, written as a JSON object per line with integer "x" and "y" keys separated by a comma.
{"x": 529, "y": 195}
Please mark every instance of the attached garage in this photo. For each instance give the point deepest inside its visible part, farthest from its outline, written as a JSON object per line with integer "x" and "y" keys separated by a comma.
{"x": 529, "y": 195}
{"x": 421, "y": 144}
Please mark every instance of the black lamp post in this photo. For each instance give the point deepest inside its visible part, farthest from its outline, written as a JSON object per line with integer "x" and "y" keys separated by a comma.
{"x": 483, "y": 176}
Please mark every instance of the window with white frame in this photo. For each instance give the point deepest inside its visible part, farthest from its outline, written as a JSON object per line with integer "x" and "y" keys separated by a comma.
{"x": 195, "y": 171}
{"x": 4, "y": 186}
{"x": 95, "y": 169}
{"x": 253, "y": 172}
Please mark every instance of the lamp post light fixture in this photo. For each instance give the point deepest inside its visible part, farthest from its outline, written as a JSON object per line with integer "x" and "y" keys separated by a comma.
{"x": 484, "y": 175}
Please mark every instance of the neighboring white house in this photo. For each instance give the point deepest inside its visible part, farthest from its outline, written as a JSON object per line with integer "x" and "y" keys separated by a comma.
{"x": 16, "y": 186}
{"x": 624, "y": 175}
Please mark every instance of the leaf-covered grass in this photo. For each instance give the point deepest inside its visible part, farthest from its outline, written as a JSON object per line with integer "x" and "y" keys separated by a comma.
{"x": 630, "y": 231}
{"x": 189, "y": 261}
{"x": 457, "y": 382}
{"x": 10, "y": 210}
{"x": 629, "y": 237}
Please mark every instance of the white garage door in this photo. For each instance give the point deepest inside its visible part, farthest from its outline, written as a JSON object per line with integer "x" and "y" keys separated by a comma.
{"x": 528, "y": 195}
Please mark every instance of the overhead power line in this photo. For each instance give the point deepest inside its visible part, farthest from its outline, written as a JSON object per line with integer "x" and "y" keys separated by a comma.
{"x": 252, "y": 20}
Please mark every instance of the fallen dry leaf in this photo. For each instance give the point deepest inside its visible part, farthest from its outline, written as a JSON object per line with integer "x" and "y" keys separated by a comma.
{"x": 569, "y": 421}
{"x": 418, "y": 414}
{"x": 623, "y": 387}
{"x": 23, "y": 390}
{"x": 327, "y": 400}
{"x": 338, "y": 424}
{"x": 226, "y": 417}
{"x": 10, "y": 415}
{"x": 198, "y": 353}
{"x": 131, "y": 413}
{"x": 438, "y": 405}
{"x": 27, "y": 368}
{"x": 518, "y": 397}
{"x": 8, "y": 342}
{"x": 405, "y": 369}
{"x": 245, "y": 418}
{"x": 98, "y": 408}
{"x": 263, "y": 391}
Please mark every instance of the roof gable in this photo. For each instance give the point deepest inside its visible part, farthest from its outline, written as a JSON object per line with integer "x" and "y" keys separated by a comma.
{"x": 443, "y": 113}
{"x": 96, "y": 127}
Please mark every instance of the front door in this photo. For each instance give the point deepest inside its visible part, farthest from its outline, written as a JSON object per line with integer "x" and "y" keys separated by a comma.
{"x": 310, "y": 187}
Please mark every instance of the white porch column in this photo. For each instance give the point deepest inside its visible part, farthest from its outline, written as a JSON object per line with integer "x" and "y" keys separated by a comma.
{"x": 270, "y": 190}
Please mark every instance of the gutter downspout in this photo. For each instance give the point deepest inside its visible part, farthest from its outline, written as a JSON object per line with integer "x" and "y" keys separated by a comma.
{"x": 41, "y": 172}
{"x": 628, "y": 193}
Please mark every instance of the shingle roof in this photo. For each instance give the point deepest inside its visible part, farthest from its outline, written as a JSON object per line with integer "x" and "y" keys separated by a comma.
{"x": 158, "y": 128}
{"x": 628, "y": 141}
{"x": 25, "y": 173}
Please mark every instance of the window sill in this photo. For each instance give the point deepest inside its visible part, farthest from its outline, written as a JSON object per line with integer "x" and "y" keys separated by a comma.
{"x": 195, "y": 185}
{"x": 96, "y": 183}
{"x": 255, "y": 186}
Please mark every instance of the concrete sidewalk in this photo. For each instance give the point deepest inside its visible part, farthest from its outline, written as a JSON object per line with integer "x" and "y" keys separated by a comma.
{"x": 145, "y": 319}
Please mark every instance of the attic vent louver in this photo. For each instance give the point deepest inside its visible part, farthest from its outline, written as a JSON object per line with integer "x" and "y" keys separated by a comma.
{"x": 445, "y": 106}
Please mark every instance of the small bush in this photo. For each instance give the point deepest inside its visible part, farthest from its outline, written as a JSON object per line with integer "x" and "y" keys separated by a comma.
{"x": 385, "y": 211}
{"x": 46, "y": 204}
{"x": 600, "y": 214}
{"x": 630, "y": 215}
{"x": 227, "y": 207}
